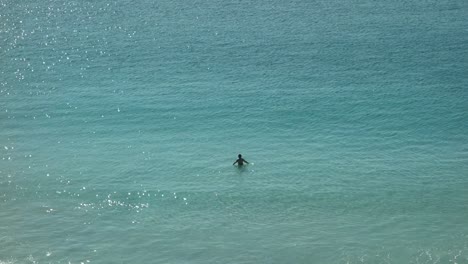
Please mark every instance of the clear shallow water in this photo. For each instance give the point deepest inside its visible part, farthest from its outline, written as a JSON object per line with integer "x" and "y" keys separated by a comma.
{"x": 120, "y": 122}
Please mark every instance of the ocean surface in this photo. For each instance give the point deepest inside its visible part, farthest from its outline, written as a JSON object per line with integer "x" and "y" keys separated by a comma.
{"x": 120, "y": 121}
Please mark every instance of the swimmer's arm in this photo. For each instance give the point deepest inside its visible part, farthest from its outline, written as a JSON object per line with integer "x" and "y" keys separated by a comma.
{"x": 246, "y": 162}
{"x": 235, "y": 162}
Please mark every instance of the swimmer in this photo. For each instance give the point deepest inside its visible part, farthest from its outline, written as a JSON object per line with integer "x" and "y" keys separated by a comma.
{"x": 240, "y": 161}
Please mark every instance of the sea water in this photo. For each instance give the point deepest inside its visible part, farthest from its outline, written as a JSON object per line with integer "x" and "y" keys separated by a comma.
{"x": 120, "y": 121}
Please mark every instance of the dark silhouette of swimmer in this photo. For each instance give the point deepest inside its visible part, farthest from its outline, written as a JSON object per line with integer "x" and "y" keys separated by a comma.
{"x": 240, "y": 161}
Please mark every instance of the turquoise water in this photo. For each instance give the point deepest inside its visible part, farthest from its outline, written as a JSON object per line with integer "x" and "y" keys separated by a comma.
{"x": 120, "y": 120}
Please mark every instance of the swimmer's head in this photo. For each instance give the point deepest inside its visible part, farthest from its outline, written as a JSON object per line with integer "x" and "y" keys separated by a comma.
{"x": 240, "y": 156}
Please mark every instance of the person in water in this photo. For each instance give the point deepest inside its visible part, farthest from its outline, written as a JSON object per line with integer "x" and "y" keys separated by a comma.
{"x": 240, "y": 161}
